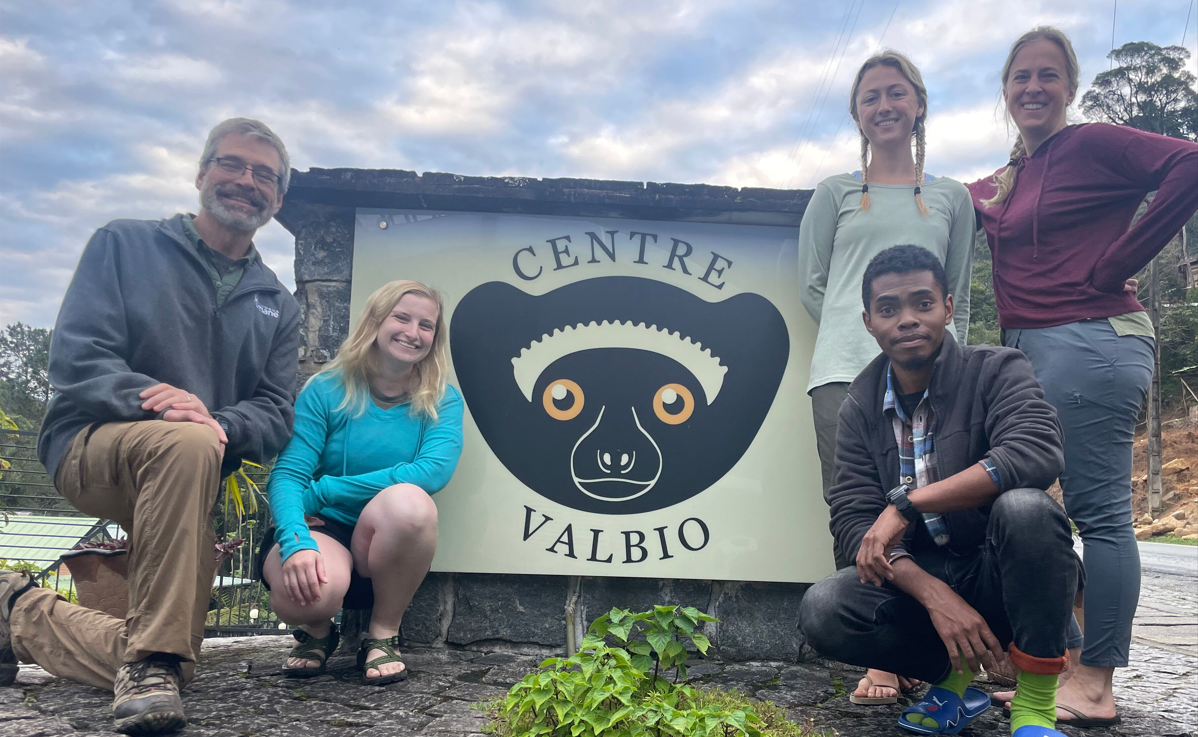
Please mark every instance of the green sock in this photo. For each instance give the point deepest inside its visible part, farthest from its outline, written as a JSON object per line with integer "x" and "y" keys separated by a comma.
{"x": 1035, "y": 701}
{"x": 956, "y": 682}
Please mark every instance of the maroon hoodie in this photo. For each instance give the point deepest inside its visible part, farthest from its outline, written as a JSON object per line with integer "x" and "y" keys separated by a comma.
{"x": 1060, "y": 241}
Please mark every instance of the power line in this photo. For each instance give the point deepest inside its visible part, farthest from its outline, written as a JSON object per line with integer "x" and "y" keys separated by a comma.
{"x": 1114, "y": 12}
{"x": 819, "y": 87}
{"x": 1189, "y": 10}
{"x": 845, "y": 116}
{"x": 828, "y": 91}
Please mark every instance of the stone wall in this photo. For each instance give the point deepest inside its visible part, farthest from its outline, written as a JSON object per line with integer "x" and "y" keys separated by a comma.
{"x": 757, "y": 620}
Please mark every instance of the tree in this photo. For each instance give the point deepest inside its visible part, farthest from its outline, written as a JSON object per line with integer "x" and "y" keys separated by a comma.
{"x": 24, "y": 373}
{"x": 1149, "y": 89}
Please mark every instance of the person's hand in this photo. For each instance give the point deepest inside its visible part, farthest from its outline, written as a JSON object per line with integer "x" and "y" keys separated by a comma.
{"x": 190, "y": 415}
{"x": 963, "y": 630}
{"x": 1131, "y": 285}
{"x": 303, "y": 573}
{"x": 873, "y": 557}
{"x": 164, "y": 396}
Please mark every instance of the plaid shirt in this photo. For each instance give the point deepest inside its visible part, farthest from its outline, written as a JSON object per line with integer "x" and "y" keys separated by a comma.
{"x": 916, "y": 440}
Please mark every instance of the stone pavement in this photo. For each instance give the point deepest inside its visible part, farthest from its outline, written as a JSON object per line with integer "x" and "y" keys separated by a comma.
{"x": 241, "y": 693}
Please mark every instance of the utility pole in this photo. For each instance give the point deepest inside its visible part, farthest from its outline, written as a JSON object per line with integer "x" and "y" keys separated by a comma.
{"x": 1155, "y": 503}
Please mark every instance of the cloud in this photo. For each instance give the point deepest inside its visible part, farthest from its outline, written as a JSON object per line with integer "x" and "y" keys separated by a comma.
{"x": 105, "y": 106}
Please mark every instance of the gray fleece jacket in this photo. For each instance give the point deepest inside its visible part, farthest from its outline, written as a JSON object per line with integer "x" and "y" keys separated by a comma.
{"x": 141, "y": 309}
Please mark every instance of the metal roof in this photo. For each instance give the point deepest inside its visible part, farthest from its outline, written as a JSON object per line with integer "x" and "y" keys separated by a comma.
{"x": 41, "y": 539}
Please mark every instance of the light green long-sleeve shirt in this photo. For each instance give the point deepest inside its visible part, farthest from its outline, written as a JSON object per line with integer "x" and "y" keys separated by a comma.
{"x": 837, "y": 241}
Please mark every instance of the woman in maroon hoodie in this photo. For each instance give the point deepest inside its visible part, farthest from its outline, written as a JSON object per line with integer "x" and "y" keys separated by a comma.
{"x": 1057, "y": 219}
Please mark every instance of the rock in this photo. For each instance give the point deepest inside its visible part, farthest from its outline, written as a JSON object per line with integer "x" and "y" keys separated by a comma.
{"x": 1179, "y": 514}
{"x": 1190, "y": 537}
{"x": 758, "y": 621}
{"x": 514, "y": 608}
{"x": 1174, "y": 467}
{"x": 1146, "y": 519}
{"x": 1169, "y": 524}
{"x": 1143, "y": 533}
{"x": 599, "y": 595}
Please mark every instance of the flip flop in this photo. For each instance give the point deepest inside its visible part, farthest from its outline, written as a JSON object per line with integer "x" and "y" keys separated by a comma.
{"x": 950, "y": 713}
{"x": 873, "y": 700}
{"x": 1080, "y": 720}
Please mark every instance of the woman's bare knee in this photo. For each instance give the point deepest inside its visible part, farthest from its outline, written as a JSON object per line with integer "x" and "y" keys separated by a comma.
{"x": 337, "y": 566}
{"x": 403, "y": 507}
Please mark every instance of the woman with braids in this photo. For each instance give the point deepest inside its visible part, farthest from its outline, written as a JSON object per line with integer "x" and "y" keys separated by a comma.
{"x": 1057, "y": 219}
{"x": 853, "y": 217}
{"x": 377, "y": 431}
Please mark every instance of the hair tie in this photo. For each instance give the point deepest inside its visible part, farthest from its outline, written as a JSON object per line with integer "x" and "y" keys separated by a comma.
{"x": 864, "y": 188}
{"x": 917, "y": 190}
{"x": 1012, "y": 162}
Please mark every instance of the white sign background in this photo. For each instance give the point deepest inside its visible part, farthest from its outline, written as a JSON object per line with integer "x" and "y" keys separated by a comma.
{"x": 766, "y": 519}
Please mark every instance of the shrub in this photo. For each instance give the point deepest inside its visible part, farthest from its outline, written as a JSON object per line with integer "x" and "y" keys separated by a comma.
{"x": 618, "y": 685}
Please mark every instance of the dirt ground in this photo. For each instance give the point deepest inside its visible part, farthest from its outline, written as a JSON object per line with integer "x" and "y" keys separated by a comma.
{"x": 1179, "y": 459}
{"x": 1179, "y": 482}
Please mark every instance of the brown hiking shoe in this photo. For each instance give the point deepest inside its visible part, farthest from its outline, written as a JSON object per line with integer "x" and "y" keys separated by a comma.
{"x": 147, "y": 696}
{"x": 11, "y": 584}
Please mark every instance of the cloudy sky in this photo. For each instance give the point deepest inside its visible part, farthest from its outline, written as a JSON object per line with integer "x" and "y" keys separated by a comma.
{"x": 104, "y": 107}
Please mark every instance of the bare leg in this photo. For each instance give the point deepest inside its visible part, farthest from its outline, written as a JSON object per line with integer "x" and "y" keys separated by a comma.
{"x": 312, "y": 618}
{"x": 393, "y": 546}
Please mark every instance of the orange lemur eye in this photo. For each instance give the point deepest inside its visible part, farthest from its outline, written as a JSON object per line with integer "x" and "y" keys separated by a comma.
{"x": 563, "y": 391}
{"x": 673, "y": 404}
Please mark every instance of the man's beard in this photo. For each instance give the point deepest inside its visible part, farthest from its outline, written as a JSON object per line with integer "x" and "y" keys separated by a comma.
{"x": 915, "y": 363}
{"x": 235, "y": 219}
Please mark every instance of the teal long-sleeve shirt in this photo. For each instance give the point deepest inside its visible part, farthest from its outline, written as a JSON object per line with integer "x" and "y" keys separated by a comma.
{"x": 335, "y": 464}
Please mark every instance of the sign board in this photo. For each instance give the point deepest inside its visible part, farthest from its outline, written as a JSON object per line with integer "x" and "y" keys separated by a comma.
{"x": 634, "y": 391}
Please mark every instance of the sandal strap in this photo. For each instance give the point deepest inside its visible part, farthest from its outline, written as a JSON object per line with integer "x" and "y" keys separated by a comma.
{"x": 318, "y": 648}
{"x": 387, "y": 645}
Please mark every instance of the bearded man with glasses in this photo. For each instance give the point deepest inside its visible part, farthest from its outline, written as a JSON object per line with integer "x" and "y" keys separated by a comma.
{"x": 174, "y": 358}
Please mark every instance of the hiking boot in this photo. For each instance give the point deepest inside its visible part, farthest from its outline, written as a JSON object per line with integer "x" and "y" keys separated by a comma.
{"x": 147, "y": 696}
{"x": 11, "y": 584}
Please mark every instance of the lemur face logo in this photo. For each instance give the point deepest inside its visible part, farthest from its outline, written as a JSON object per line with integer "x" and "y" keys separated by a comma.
{"x": 617, "y": 395}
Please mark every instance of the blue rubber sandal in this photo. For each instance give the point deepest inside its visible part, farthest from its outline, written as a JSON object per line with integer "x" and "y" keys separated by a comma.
{"x": 1031, "y": 730}
{"x": 950, "y": 712}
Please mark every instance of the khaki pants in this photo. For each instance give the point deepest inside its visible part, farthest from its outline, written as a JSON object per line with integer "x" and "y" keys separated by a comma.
{"x": 157, "y": 480}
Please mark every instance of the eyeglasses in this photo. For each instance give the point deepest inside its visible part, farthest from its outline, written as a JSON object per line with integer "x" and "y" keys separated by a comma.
{"x": 233, "y": 167}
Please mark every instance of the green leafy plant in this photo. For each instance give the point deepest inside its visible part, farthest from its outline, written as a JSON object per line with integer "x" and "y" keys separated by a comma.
{"x": 663, "y": 629}
{"x": 617, "y": 685}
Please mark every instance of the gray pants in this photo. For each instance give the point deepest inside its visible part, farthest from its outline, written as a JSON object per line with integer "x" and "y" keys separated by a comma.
{"x": 1096, "y": 380}
{"x": 825, "y": 408}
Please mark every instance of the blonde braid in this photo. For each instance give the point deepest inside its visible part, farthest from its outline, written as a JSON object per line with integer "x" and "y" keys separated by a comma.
{"x": 920, "y": 153}
{"x": 1004, "y": 181}
{"x": 864, "y": 173}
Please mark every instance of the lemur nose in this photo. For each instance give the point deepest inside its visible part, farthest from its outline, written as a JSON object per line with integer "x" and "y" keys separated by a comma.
{"x": 625, "y": 461}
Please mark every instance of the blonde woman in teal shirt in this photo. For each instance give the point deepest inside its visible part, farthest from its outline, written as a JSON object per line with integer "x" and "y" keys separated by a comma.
{"x": 377, "y": 432}
{"x": 853, "y": 217}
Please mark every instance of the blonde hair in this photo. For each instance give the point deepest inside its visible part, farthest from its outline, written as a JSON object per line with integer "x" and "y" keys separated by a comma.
{"x": 896, "y": 60}
{"x": 356, "y": 358}
{"x": 1004, "y": 181}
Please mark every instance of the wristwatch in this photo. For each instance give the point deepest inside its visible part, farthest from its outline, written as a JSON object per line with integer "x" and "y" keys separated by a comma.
{"x": 898, "y": 497}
